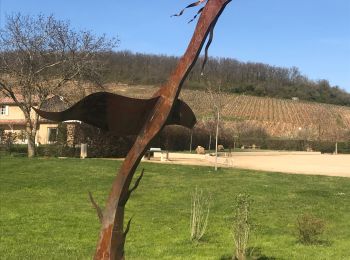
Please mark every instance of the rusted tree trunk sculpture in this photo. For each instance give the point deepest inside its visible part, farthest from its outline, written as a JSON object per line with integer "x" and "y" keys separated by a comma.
{"x": 146, "y": 118}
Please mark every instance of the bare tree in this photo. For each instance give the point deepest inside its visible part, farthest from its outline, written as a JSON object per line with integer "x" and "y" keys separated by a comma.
{"x": 40, "y": 56}
{"x": 210, "y": 126}
{"x": 216, "y": 103}
{"x": 339, "y": 132}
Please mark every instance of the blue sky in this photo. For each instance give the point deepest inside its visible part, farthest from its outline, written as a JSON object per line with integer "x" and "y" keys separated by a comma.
{"x": 313, "y": 35}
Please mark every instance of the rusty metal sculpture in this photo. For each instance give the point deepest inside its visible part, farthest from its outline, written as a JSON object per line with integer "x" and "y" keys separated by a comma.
{"x": 122, "y": 115}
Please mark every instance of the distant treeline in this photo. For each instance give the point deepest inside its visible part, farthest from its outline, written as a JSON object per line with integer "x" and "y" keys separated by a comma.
{"x": 231, "y": 75}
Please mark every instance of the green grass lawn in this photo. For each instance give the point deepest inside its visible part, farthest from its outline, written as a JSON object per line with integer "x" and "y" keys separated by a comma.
{"x": 46, "y": 213}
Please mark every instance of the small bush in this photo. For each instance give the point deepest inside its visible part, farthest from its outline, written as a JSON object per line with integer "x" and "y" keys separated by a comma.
{"x": 309, "y": 228}
{"x": 199, "y": 214}
{"x": 7, "y": 141}
{"x": 241, "y": 226}
{"x": 57, "y": 150}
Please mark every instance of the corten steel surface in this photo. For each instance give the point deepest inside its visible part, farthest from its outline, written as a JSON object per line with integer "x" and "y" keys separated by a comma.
{"x": 118, "y": 114}
{"x": 150, "y": 117}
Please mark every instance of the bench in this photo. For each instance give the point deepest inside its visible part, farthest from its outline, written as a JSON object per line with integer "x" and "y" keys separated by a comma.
{"x": 150, "y": 153}
{"x": 164, "y": 155}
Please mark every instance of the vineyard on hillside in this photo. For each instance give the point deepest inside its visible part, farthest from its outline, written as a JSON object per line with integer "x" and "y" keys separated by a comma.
{"x": 277, "y": 117}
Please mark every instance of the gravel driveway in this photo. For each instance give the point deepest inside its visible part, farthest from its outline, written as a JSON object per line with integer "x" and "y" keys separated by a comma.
{"x": 313, "y": 164}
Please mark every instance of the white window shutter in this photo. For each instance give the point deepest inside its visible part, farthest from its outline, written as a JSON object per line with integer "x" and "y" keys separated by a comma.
{"x": 7, "y": 110}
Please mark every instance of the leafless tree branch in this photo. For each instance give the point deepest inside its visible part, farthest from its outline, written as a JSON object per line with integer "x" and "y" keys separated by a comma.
{"x": 40, "y": 55}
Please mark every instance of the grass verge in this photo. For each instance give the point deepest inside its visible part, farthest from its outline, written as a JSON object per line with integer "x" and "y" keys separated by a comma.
{"x": 45, "y": 211}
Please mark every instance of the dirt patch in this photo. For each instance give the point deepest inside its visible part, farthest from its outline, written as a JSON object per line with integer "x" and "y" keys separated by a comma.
{"x": 313, "y": 164}
{"x": 323, "y": 164}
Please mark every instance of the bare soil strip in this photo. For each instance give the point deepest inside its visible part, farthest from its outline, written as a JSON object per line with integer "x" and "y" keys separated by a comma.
{"x": 313, "y": 164}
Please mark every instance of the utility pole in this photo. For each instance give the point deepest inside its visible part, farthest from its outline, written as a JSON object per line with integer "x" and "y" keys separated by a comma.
{"x": 216, "y": 138}
{"x": 191, "y": 141}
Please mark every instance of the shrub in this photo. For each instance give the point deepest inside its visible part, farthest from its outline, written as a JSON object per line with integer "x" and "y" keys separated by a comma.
{"x": 103, "y": 144}
{"x": 344, "y": 147}
{"x": 199, "y": 214}
{"x": 20, "y": 149}
{"x": 7, "y": 141}
{"x": 309, "y": 228}
{"x": 57, "y": 150}
{"x": 241, "y": 226}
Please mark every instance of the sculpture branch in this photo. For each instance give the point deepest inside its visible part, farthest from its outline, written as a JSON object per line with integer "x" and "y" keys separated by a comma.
{"x": 136, "y": 183}
{"x": 127, "y": 228}
{"x": 146, "y": 118}
{"x": 124, "y": 200}
{"x": 97, "y": 207}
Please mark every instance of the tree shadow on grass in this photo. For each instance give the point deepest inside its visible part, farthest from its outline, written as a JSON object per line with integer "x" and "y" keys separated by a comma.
{"x": 253, "y": 253}
{"x": 209, "y": 237}
{"x": 318, "y": 242}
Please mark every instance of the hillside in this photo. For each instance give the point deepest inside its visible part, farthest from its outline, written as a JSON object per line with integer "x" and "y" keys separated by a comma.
{"x": 277, "y": 117}
{"x": 234, "y": 76}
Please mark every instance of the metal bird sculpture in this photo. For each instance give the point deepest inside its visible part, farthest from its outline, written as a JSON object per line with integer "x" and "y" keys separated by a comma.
{"x": 146, "y": 118}
{"x": 118, "y": 114}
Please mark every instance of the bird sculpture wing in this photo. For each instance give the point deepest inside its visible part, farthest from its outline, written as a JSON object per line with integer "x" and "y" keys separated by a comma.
{"x": 118, "y": 114}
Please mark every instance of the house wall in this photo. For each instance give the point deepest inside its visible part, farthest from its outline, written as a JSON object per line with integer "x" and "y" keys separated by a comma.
{"x": 18, "y": 129}
{"x": 41, "y": 137}
{"x": 15, "y": 113}
{"x": 43, "y": 133}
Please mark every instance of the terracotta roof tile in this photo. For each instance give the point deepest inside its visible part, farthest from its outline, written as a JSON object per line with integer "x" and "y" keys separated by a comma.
{"x": 22, "y": 121}
{"x": 6, "y": 100}
{"x": 12, "y": 122}
{"x": 9, "y": 101}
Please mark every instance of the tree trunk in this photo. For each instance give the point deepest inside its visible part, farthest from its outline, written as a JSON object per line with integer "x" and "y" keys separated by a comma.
{"x": 30, "y": 133}
{"x": 209, "y": 142}
{"x": 336, "y": 148}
